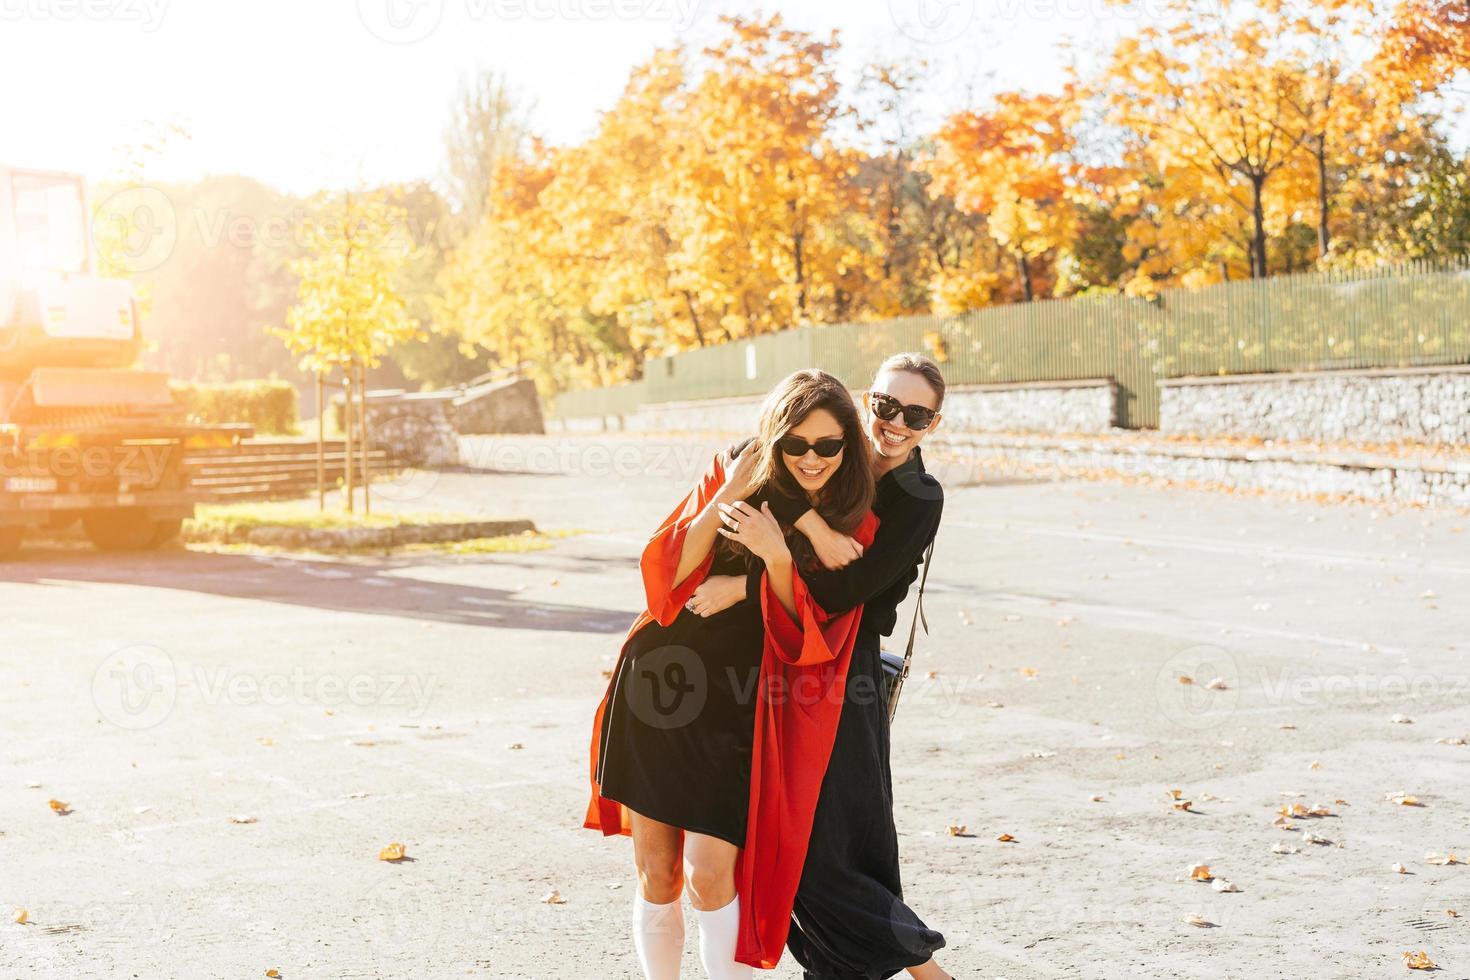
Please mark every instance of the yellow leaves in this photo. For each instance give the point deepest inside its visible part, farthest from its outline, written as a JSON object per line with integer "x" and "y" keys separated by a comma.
{"x": 553, "y": 897}
{"x": 1006, "y": 839}
{"x": 1200, "y": 872}
{"x": 1419, "y": 960}
{"x": 20, "y": 916}
{"x": 393, "y": 853}
{"x": 1403, "y": 799}
{"x": 59, "y": 808}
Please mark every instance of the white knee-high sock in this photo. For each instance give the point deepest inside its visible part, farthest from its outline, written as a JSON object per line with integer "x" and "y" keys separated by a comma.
{"x": 658, "y": 936}
{"x": 718, "y": 931}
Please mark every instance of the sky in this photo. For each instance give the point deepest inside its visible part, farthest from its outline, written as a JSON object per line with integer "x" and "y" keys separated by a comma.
{"x": 309, "y": 94}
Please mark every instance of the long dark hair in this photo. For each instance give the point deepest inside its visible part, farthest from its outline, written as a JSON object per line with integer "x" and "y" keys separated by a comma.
{"x": 848, "y": 494}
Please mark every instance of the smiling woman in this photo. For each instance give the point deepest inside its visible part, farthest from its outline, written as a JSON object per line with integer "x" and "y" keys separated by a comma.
{"x": 694, "y": 755}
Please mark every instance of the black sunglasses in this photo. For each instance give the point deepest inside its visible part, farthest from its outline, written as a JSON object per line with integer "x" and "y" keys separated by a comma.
{"x": 916, "y": 417}
{"x": 797, "y": 446}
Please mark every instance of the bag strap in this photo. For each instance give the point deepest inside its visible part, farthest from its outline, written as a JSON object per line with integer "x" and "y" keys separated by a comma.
{"x": 919, "y": 617}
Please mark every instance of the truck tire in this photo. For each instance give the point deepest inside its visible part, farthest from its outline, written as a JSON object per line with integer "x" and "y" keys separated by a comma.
{"x": 127, "y": 530}
{"x": 10, "y": 538}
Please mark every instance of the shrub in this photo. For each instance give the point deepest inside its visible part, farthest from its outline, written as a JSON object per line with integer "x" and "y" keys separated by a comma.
{"x": 270, "y": 404}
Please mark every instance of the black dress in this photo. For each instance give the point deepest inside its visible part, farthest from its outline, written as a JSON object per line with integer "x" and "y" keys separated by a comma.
{"x": 850, "y": 920}
{"x": 679, "y": 726}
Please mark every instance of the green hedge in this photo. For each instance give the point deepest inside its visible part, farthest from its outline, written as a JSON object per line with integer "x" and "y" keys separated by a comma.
{"x": 269, "y": 405}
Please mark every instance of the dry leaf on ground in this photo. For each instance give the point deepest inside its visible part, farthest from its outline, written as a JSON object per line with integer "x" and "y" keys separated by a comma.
{"x": 21, "y": 917}
{"x": 243, "y": 818}
{"x": 60, "y": 808}
{"x": 1419, "y": 960}
{"x": 553, "y": 897}
{"x": 393, "y": 852}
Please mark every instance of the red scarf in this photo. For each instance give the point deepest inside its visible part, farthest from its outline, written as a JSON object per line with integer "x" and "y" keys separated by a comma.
{"x": 803, "y": 679}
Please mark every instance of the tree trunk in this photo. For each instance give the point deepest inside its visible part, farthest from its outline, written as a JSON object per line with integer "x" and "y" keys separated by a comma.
{"x": 1324, "y": 235}
{"x": 347, "y": 425}
{"x": 321, "y": 444}
{"x": 1258, "y": 238}
{"x": 364, "y": 444}
{"x": 1025, "y": 265}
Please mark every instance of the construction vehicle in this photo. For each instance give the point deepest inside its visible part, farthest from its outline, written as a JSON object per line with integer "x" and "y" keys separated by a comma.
{"x": 85, "y": 435}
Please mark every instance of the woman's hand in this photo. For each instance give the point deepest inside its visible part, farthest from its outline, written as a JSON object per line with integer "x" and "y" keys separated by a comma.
{"x": 758, "y": 530}
{"x": 716, "y": 594}
{"x": 834, "y": 549}
{"x": 739, "y": 475}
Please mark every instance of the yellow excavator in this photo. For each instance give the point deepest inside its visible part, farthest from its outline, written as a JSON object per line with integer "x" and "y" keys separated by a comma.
{"x": 85, "y": 435}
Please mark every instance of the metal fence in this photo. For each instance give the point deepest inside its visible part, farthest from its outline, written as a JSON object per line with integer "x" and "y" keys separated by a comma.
{"x": 1417, "y": 313}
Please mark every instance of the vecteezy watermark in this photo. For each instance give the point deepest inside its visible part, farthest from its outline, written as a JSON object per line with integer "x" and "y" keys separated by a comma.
{"x": 137, "y": 228}
{"x": 1198, "y": 687}
{"x": 411, "y": 21}
{"x": 1089, "y": 11}
{"x": 137, "y": 688}
{"x": 148, "y": 14}
{"x": 932, "y": 21}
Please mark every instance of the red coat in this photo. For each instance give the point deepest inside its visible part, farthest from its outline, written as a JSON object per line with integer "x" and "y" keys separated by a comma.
{"x": 803, "y": 679}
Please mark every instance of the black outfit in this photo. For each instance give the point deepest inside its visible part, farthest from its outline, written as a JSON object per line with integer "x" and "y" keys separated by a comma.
{"x": 850, "y": 920}
{"x": 679, "y": 726}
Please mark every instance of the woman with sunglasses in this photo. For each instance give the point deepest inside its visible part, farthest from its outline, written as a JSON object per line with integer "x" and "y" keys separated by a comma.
{"x": 850, "y": 920}
{"x": 710, "y": 744}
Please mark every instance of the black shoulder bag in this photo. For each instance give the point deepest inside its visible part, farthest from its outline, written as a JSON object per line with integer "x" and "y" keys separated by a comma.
{"x": 896, "y": 668}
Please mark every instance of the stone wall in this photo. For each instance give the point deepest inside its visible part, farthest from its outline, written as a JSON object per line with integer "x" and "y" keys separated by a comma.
{"x": 1423, "y": 405}
{"x": 1085, "y": 406}
{"x": 416, "y": 428}
{"x": 510, "y": 406}
{"x": 1088, "y": 405}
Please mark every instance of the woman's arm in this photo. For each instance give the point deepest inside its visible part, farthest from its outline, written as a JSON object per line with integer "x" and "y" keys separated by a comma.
{"x": 700, "y": 537}
{"x": 907, "y": 528}
{"x": 759, "y": 531}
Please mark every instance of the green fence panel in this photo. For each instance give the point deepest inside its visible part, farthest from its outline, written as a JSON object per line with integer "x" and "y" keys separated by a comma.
{"x": 1417, "y": 313}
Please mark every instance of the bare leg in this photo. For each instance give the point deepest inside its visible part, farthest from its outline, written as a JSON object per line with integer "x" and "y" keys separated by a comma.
{"x": 928, "y": 971}
{"x": 709, "y": 865}
{"x": 657, "y": 850}
{"x": 658, "y": 915}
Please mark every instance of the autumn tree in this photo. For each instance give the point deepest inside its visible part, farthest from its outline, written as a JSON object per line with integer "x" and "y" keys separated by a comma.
{"x": 349, "y": 311}
{"x": 1012, "y": 165}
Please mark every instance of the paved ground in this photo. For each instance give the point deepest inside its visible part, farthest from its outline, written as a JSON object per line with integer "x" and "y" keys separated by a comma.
{"x": 344, "y": 704}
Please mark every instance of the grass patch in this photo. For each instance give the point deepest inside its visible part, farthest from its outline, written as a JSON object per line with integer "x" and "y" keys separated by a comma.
{"x": 230, "y": 518}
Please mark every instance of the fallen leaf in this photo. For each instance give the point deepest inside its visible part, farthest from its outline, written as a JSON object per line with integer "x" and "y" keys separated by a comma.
{"x": 1444, "y": 860}
{"x": 1185, "y": 680}
{"x": 1216, "y": 684}
{"x": 33, "y": 785}
{"x": 1028, "y": 671}
{"x": 1452, "y": 913}
{"x": 1315, "y": 765}
{"x": 1095, "y": 798}
{"x": 60, "y": 808}
{"x": 957, "y": 830}
{"x": 1419, "y": 960}
{"x": 273, "y": 973}
{"x": 1006, "y": 839}
{"x": 393, "y": 852}
{"x": 1287, "y": 726}
{"x": 1283, "y": 848}
{"x": 1224, "y": 885}
{"x": 933, "y": 674}
{"x": 515, "y": 745}
{"x": 1401, "y": 720}
{"x": 1310, "y": 838}
{"x": 1199, "y": 872}
{"x": 1450, "y": 741}
{"x": 1183, "y": 805}
{"x": 553, "y": 897}
{"x": 1400, "y": 869}
{"x": 266, "y": 740}
{"x": 243, "y": 818}
{"x": 21, "y": 917}
{"x": 1200, "y": 921}
{"x": 1403, "y": 799}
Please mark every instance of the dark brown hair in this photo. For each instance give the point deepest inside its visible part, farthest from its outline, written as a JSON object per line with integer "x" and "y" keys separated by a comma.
{"x": 921, "y": 365}
{"x": 848, "y": 494}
